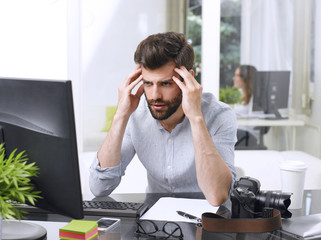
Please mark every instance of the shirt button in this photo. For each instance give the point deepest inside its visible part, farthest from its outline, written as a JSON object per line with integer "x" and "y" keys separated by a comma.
{"x": 169, "y": 167}
{"x": 173, "y": 187}
{"x": 169, "y": 140}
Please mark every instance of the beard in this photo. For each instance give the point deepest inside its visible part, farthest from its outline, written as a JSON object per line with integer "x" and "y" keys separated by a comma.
{"x": 171, "y": 107}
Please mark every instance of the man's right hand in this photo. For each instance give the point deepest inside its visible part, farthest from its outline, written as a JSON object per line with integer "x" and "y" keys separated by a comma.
{"x": 128, "y": 102}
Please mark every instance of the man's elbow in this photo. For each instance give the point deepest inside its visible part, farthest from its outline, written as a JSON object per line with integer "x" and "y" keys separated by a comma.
{"x": 217, "y": 195}
{"x": 100, "y": 188}
{"x": 217, "y": 199}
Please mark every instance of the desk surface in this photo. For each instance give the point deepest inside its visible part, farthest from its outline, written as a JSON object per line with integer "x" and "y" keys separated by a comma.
{"x": 266, "y": 122}
{"x": 126, "y": 230}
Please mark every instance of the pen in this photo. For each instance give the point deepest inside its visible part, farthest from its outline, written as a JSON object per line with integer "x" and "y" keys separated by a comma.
{"x": 189, "y": 216}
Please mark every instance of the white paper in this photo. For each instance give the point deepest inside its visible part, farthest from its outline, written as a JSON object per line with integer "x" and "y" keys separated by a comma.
{"x": 165, "y": 209}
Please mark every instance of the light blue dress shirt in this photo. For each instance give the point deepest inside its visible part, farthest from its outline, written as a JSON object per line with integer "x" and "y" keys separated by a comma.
{"x": 168, "y": 157}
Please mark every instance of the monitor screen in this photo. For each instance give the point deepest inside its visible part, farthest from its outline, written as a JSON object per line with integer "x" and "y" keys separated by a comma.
{"x": 271, "y": 92}
{"x": 37, "y": 116}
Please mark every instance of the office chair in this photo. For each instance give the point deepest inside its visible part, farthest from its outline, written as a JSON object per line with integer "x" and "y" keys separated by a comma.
{"x": 263, "y": 130}
{"x": 247, "y": 141}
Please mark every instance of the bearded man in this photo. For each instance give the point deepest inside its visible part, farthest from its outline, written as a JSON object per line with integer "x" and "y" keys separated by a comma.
{"x": 184, "y": 138}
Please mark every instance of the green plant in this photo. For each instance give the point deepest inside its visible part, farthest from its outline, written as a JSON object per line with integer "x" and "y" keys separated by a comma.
{"x": 194, "y": 35}
{"x": 230, "y": 95}
{"x": 15, "y": 183}
{"x": 230, "y": 40}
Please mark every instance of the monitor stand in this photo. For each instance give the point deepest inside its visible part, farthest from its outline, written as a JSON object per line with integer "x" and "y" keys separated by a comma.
{"x": 277, "y": 114}
{"x": 17, "y": 230}
{"x": 1, "y": 135}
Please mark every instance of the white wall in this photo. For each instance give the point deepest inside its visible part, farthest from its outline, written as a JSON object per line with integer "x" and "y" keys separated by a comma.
{"x": 309, "y": 137}
{"x": 33, "y": 41}
{"x": 316, "y": 113}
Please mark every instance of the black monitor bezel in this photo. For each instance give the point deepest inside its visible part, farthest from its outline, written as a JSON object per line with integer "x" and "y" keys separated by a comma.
{"x": 61, "y": 190}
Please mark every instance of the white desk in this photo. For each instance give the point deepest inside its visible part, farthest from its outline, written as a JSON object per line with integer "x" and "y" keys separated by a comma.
{"x": 264, "y": 165}
{"x": 289, "y": 123}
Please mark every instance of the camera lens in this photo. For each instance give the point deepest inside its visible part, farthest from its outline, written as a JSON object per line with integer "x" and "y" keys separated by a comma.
{"x": 280, "y": 201}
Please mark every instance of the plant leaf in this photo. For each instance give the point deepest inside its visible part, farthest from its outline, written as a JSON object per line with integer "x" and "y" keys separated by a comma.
{"x": 15, "y": 183}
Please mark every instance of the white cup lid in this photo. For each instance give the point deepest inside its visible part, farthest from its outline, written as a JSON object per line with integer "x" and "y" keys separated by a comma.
{"x": 293, "y": 165}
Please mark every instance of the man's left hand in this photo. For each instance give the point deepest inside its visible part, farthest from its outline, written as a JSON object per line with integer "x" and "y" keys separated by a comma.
{"x": 192, "y": 93}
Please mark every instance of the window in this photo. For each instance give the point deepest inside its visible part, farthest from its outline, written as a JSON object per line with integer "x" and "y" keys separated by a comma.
{"x": 194, "y": 34}
{"x": 230, "y": 41}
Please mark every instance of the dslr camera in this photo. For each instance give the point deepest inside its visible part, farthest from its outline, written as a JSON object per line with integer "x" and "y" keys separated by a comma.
{"x": 249, "y": 202}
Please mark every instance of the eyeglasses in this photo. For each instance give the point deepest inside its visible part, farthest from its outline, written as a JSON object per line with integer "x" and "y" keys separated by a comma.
{"x": 147, "y": 228}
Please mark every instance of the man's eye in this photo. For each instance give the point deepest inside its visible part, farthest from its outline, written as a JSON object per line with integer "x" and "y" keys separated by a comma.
{"x": 166, "y": 83}
{"x": 146, "y": 83}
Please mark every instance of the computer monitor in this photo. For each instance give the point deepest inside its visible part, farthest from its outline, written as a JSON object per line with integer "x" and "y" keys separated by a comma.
{"x": 37, "y": 116}
{"x": 271, "y": 92}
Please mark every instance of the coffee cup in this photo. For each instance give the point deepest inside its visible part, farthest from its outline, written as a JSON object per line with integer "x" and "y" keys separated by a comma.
{"x": 292, "y": 181}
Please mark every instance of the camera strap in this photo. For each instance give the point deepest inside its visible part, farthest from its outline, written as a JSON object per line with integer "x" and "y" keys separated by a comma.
{"x": 215, "y": 223}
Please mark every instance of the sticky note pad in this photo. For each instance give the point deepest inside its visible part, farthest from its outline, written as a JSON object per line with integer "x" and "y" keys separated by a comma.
{"x": 79, "y": 229}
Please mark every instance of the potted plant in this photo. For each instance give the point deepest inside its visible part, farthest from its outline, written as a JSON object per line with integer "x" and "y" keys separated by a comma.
{"x": 230, "y": 95}
{"x": 15, "y": 183}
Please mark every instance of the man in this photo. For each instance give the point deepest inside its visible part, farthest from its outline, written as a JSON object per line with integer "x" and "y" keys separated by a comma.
{"x": 184, "y": 138}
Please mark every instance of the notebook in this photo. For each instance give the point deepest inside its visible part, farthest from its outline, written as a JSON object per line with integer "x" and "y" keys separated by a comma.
{"x": 305, "y": 226}
{"x": 165, "y": 209}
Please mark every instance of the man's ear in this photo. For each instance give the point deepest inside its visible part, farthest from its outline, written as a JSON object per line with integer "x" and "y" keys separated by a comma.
{"x": 192, "y": 72}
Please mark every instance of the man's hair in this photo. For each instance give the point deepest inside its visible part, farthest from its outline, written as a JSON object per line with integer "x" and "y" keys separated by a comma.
{"x": 158, "y": 49}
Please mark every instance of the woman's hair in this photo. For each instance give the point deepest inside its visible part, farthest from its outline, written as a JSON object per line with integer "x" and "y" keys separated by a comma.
{"x": 247, "y": 73}
{"x": 159, "y": 49}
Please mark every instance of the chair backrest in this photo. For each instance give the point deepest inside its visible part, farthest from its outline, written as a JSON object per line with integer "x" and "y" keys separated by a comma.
{"x": 247, "y": 141}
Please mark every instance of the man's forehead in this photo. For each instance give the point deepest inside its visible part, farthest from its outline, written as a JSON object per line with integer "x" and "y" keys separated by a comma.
{"x": 158, "y": 76}
{"x": 157, "y": 80}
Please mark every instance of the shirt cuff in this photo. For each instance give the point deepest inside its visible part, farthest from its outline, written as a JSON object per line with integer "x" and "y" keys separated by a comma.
{"x": 105, "y": 173}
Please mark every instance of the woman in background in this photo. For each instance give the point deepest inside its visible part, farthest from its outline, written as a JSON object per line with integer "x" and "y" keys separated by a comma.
{"x": 243, "y": 79}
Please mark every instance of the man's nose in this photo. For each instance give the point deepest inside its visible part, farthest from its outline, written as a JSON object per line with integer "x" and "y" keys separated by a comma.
{"x": 156, "y": 93}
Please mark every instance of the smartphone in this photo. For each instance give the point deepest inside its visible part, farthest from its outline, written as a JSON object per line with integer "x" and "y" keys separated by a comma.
{"x": 105, "y": 224}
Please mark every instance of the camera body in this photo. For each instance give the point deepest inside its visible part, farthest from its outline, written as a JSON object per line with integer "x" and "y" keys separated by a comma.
{"x": 249, "y": 202}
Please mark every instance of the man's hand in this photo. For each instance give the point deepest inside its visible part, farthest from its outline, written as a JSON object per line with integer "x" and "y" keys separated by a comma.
{"x": 128, "y": 102}
{"x": 192, "y": 93}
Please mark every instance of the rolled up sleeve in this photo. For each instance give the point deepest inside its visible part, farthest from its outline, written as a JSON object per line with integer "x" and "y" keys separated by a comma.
{"x": 103, "y": 181}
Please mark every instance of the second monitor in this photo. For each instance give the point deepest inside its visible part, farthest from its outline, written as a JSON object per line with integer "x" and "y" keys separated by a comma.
{"x": 271, "y": 92}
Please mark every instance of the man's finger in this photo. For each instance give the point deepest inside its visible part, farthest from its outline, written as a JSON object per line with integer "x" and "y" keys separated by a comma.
{"x": 133, "y": 84}
{"x": 185, "y": 74}
{"x": 179, "y": 82}
{"x": 140, "y": 91}
{"x": 133, "y": 75}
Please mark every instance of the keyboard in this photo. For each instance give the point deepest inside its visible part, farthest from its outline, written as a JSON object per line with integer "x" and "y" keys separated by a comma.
{"x": 99, "y": 208}
{"x": 116, "y": 209}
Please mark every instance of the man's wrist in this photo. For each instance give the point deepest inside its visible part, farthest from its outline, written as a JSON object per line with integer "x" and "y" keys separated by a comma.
{"x": 196, "y": 119}
{"x": 121, "y": 116}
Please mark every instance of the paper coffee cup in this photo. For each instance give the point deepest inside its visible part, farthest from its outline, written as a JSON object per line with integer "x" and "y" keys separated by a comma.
{"x": 292, "y": 181}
